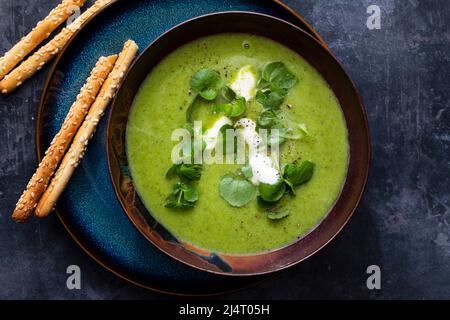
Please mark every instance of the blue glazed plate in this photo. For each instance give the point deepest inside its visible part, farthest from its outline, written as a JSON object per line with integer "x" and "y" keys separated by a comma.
{"x": 88, "y": 207}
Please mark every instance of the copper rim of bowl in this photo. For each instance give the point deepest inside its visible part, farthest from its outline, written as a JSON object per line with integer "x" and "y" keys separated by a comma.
{"x": 358, "y": 137}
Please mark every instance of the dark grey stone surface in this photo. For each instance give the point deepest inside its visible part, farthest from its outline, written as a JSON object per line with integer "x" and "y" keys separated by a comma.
{"x": 402, "y": 225}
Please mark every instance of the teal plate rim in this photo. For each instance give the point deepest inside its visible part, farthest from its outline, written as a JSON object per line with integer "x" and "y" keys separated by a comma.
{"x": 300, "y": 21}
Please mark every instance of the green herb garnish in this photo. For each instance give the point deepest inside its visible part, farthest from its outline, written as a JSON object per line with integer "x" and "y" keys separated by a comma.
{"x": 236, "y": 191}
{"x": 186, "y": 171}
{"x": 206, "y": 82}
{"x": 210, "y": 91}
{"x": 278, "y": 76}
{"x": 278, "y": 214}
{"x": 274, "y": 211}
{"x": 274, "y": 84}
{"x": 235, "y": 108}
{"x": 272, "y": 192}
{"x": 267, "y": 119}
{"x": 295, "y": 175}
{"x": 225, "y": 95}
{"x": 270, "y": 99}
{"x": 183, "y": 196}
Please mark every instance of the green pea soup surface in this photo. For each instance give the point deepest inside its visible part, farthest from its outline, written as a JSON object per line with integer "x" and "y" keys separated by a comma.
{"x": 160, "y": 108}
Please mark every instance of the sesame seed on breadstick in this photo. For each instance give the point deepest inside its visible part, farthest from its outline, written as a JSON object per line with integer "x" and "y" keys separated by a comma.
{"x": 86, "y": 131}
{"x": 38, "y": 34}
{"x": 44, "y": 54}
{"x": 60, "y": 143}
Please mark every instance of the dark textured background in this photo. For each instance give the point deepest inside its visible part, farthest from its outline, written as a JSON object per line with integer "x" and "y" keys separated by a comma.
{"x": 402, "y": 225}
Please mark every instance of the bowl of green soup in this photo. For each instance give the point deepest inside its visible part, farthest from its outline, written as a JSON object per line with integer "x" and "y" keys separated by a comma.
{"x": 237, "y": 144}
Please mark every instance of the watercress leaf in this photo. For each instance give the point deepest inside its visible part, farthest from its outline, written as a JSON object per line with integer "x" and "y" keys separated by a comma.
{"x": 272, "y": 192}
{"x": 241, "y": 105}
{"x": 174, "y": 200}
{"x": 176, "y": 189}
{"x": 208, "y": 94}
{"x": 278, "y": 76}
{"x": 290, "y": 186}
{"x": 190, "y": 194}
{"x": 205, "y": 83}
{"x": 267, "y": 119}
{"x": 172, "y": 171}
{"x": 291, "y": 173}
{"x": 247, "y": 171}
{"x": 178, "y": 203}
{"x": 235, "y": 108}
{"x": 270, "y": 99}
{"x": 279, "y": 214}
{"x": 226, "y": 108}
{"x": 271, "y": 69}
{"x": 183, "y": 196}
{"x": 171, "y": 201}
{"x": 189, "y": 171}
{"x": 284, "y": 80}
{"x": 236, "y": 191}
{"x": 262, "y": 84}
{"x": 187, "y": 205}
{"x": 186, "y": 171}
{"x": 298, "y": 174}
{"x": 225, "y": 95}
{"x": 306, "y": 170}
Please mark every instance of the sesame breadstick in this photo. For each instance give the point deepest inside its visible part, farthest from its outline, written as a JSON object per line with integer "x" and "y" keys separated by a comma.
{"x": 35, "y": 62}
{"x": 60, "y": 143}
{"x": 81, "y": 139}
{"x": 38, "y": 34}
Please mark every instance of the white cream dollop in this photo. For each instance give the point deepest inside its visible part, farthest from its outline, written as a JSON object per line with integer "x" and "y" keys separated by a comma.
{"x": 245, "y": 83}
{"x": 210, "y": 135}
{"x": 263, "y": 167}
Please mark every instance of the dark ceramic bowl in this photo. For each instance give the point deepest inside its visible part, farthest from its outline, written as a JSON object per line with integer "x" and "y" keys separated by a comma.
{"x": 318, "y": 56}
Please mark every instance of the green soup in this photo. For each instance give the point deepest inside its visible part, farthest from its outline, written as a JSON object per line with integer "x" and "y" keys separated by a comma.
{"x": 160, "y": 108}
